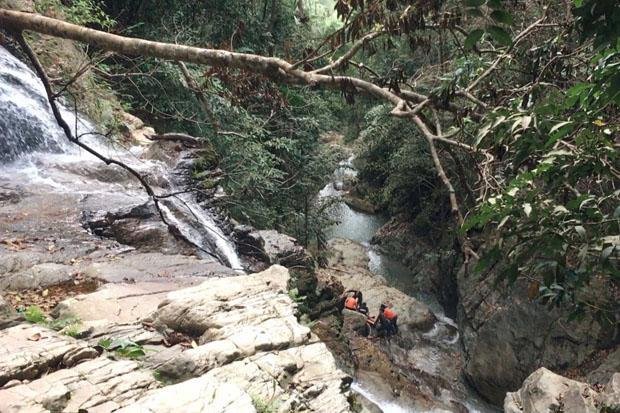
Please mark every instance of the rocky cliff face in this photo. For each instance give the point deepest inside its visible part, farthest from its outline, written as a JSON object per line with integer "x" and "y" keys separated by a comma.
{"x": 249, "y": 351}
{"x": 506, "y": 336}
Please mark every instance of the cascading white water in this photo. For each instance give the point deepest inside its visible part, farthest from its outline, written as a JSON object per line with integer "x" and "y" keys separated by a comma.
{"x": 34, "y": 149}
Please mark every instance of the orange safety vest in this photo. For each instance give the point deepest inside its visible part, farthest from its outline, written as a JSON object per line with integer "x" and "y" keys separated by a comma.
{"x": 351, "y": 303}
{"x": 389, "y": 314}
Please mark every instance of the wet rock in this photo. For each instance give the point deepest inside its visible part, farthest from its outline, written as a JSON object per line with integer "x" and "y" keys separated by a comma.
{"x": 422, "y": 363}
{"x": 353, "y": 322}
{"x": 139, "y": 226}
{"x": 9, "y": 196}
{"x": 351, "y": 262}
{"x": 433, "y": 269}
{"x": 27, "y": 351}
{"x": 544, "y": 391}
{"x": 134, "y": 129}
{"x": 249, "y": 242}
{"x": 360, "y": 204}
{"x": 366, "y": 405}
{"x": 99, "y": 385}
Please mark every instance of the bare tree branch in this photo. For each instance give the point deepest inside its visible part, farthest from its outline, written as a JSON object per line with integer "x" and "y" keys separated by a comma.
{"x": 342, "y": 60}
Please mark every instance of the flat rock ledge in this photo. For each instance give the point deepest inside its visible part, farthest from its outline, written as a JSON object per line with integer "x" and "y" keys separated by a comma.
{"x": 251, "y": 355}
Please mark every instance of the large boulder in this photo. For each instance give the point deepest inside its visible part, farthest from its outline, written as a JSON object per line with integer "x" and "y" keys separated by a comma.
{"x": 284, "y": 250}
{"x": 138, "y": 225}
{"x": 545, "y": 392}
{"x": 270, "y": 247}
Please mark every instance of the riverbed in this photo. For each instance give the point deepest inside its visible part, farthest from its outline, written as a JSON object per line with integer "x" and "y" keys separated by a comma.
{"x": 360, "y": 227}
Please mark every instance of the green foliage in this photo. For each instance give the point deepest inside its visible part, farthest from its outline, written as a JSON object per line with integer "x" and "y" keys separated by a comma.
{"x": 264, "y": 406}
{"x": 35, "y": 315}
{"x": 556, "y": 216}
{"x": 69, "y": 324}
{"x": 395, "y": 165}
{"x": 598, "y": 19}
{"x": 267, "y": 137}
{"x": 123, "y": 347}
{"x": 72, "y": 330}
{"x": 82, "y": 12}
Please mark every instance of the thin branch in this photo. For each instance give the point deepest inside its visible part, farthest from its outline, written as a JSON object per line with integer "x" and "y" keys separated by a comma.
{"x": 204, "y": 102}
{"x": 108, "y": 161}
{"x": 342, "y": 60}
{"x": 526, "y": 32}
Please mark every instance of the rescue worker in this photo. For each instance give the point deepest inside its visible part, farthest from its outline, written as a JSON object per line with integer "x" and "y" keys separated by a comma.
{"x": 350, "y": 303}
{"x": 388, "y": 318}
{"x": 355, "y": 302}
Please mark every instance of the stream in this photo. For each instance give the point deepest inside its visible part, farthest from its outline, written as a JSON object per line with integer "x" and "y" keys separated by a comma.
{"x": 361, "y": 227}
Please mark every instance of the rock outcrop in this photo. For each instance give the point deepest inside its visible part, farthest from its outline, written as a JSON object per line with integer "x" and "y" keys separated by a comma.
{"x": 544, "y": 391}
{"x": 507, "y": 336}
{"x": 249, "y": 352}
{"x": 268, "y": 247}
{"x": 29, "y": 351}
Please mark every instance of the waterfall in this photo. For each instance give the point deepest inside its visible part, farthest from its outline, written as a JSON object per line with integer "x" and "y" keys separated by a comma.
{"x": 34, "y": 147}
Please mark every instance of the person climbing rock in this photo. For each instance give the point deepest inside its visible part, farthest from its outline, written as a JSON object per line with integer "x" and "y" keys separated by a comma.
{"x": 387, "y": 320}
{"x": 355, "y": 302}
{"x": 350, "y": 303}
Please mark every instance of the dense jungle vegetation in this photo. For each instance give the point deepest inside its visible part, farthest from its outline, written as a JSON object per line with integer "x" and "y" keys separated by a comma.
{"x": 506, "y": 138}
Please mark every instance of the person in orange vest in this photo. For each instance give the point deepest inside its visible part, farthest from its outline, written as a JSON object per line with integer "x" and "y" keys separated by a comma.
{"x": 355, "y": 302}
{"x": 350, "y": 303}
{"x": 388, "y": 318}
